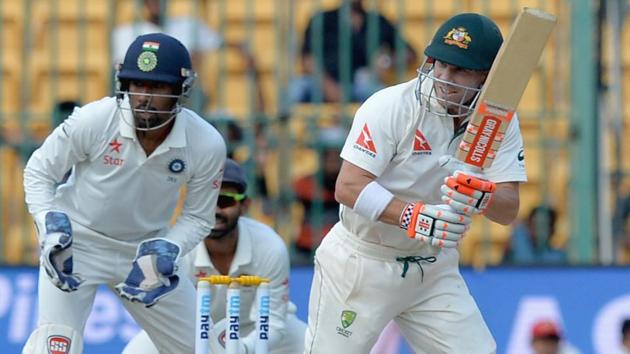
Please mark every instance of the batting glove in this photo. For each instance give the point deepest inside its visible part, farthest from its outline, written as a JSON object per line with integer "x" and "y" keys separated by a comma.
{"x": 464, "y": 190}
{"x": 56, "y": 252}
{"x": 437, "y": 225}
{"x": 152, "y": 274}
{"x": 217, "y": 338}
{"x": 466, "y": 193}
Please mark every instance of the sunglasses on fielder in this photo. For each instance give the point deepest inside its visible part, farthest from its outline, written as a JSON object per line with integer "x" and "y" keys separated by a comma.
{"x": 228, "y": 199}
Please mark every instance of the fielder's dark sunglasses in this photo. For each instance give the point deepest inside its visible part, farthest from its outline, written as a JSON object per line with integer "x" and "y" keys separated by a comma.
{"x": 227, "y": 199}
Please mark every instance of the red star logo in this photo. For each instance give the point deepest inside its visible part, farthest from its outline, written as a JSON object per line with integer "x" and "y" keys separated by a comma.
{"x": 115, "y": 145}
{"x": 201, "y": 274}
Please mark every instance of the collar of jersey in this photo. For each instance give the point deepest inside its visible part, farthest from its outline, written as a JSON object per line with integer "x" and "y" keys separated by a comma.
{"x": 176, "y": 138}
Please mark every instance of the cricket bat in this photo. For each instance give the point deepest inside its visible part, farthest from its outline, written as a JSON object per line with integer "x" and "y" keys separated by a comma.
{"x": 506, "y": 82}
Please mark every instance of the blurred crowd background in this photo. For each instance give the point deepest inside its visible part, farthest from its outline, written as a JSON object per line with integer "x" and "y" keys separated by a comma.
{"x": 281, "y": 79}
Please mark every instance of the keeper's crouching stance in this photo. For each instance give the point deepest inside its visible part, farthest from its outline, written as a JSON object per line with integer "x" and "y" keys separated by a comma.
{"x": 108, "y": 223}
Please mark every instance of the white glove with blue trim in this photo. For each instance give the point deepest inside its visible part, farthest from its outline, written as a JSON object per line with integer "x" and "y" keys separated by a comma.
{"x": 56, "y": 252}
{"x": 152, "y": 275}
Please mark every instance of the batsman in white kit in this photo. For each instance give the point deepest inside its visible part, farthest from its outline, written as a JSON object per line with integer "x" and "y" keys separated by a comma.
{"x": 406, "y": 203}
{"x": 238, "y": 246}
{"x": 129, "y": 155}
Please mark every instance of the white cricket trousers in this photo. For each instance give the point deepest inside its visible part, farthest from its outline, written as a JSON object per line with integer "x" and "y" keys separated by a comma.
{"x": 102, "y": 260}
{"x": 358, "y": 288}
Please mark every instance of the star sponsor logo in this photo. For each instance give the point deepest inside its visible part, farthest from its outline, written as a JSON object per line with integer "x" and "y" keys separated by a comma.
{"x": 347, "y": 319}
{"x": 115, "y": 145}
{"x": 109, "y": 160}
{"x": 365, "y": 143}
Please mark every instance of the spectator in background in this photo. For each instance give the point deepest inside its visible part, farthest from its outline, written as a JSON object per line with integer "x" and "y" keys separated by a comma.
{"x": 316, "y": 194}
{"x": 363, "y": 79}
{"x": 231, "y": 131}
{"x": 531, "y": 240}
{"x": 625, "y": 337}
{"x": 194, "y": 34}
{"x": 547, "y": 339}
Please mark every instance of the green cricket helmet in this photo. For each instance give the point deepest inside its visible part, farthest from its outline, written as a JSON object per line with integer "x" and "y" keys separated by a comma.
{"x": 469, "y": 41}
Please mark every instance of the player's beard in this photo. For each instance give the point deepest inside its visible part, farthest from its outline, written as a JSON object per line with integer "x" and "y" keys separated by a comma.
{"x": 145, "y": 119}
{"x": 230, "y": 225}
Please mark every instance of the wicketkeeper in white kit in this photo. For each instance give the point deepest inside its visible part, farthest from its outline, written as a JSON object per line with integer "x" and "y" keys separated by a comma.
{"x": 406, "y": 203}
{"x": 109, "y": 223}
{"x": 237, "y": 246}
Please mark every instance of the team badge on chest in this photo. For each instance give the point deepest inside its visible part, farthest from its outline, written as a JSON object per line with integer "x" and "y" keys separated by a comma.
{"x": 177, "y": 166}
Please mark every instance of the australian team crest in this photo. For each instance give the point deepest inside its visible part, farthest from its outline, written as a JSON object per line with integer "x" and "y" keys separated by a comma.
{"x": 177, "y": 166}
{"x": 459, "y": 37}
{"x": 347, "y": 318}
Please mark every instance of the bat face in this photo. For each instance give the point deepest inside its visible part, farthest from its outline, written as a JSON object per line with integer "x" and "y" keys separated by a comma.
{"x": 516, "y": 61}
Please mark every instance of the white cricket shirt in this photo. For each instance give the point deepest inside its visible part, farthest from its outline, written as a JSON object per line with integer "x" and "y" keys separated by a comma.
{"x": 115, "y": 189}
{"x": 390, "y": 139}
{"x": 259, "y": 251}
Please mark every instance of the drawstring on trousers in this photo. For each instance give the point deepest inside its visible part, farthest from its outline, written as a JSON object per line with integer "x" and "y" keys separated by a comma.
{"x": 414, "y": 259}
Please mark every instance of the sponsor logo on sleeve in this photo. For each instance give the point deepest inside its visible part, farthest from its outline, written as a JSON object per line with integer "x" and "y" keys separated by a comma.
{"x": 365, "y": 143}
{"x": 521, "y": 158}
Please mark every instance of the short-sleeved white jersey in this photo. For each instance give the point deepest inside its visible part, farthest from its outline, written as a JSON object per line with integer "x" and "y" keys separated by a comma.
{"x": 115, "y": 189}
{"x": 391, "y": 139}
{"x": 260, "y": 251}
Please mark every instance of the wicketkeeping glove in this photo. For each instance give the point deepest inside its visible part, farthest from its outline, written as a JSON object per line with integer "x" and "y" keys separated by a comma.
{"x": 56, "y": 252}
{"x": 434, "y": 224}
{"x": 152, "y": 275}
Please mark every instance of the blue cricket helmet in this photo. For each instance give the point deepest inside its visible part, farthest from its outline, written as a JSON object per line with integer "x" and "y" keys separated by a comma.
{"x": 157, "y": 57}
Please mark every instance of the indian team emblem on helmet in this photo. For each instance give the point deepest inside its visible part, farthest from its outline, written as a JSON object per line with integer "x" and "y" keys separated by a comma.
{"x": 347, "y": 317}
{"x": 147, "y": 60}
{"x": 177, "y": 166}
{"x": 459, "y": 37}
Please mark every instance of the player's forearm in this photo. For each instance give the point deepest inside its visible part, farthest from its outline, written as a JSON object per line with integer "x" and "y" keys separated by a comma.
{"x": 351, "y": 182}
{"x": 504, "y": 205}
{"x": 189, "y": 231}
{"x": 39, "y": 184}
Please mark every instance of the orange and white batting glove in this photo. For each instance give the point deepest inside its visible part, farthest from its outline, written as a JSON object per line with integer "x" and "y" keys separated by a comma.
{"x": 466, "y": 193}
{"x": 437, "y": 225}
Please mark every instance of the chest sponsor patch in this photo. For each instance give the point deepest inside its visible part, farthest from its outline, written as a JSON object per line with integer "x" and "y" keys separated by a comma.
{"x": 115, "y": 145}
{"x": 420, "y": 144}
{"x": 365, "y": 143}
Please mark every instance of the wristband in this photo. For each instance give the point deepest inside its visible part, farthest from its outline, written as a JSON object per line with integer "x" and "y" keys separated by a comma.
{"x": 372, "y": 201}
